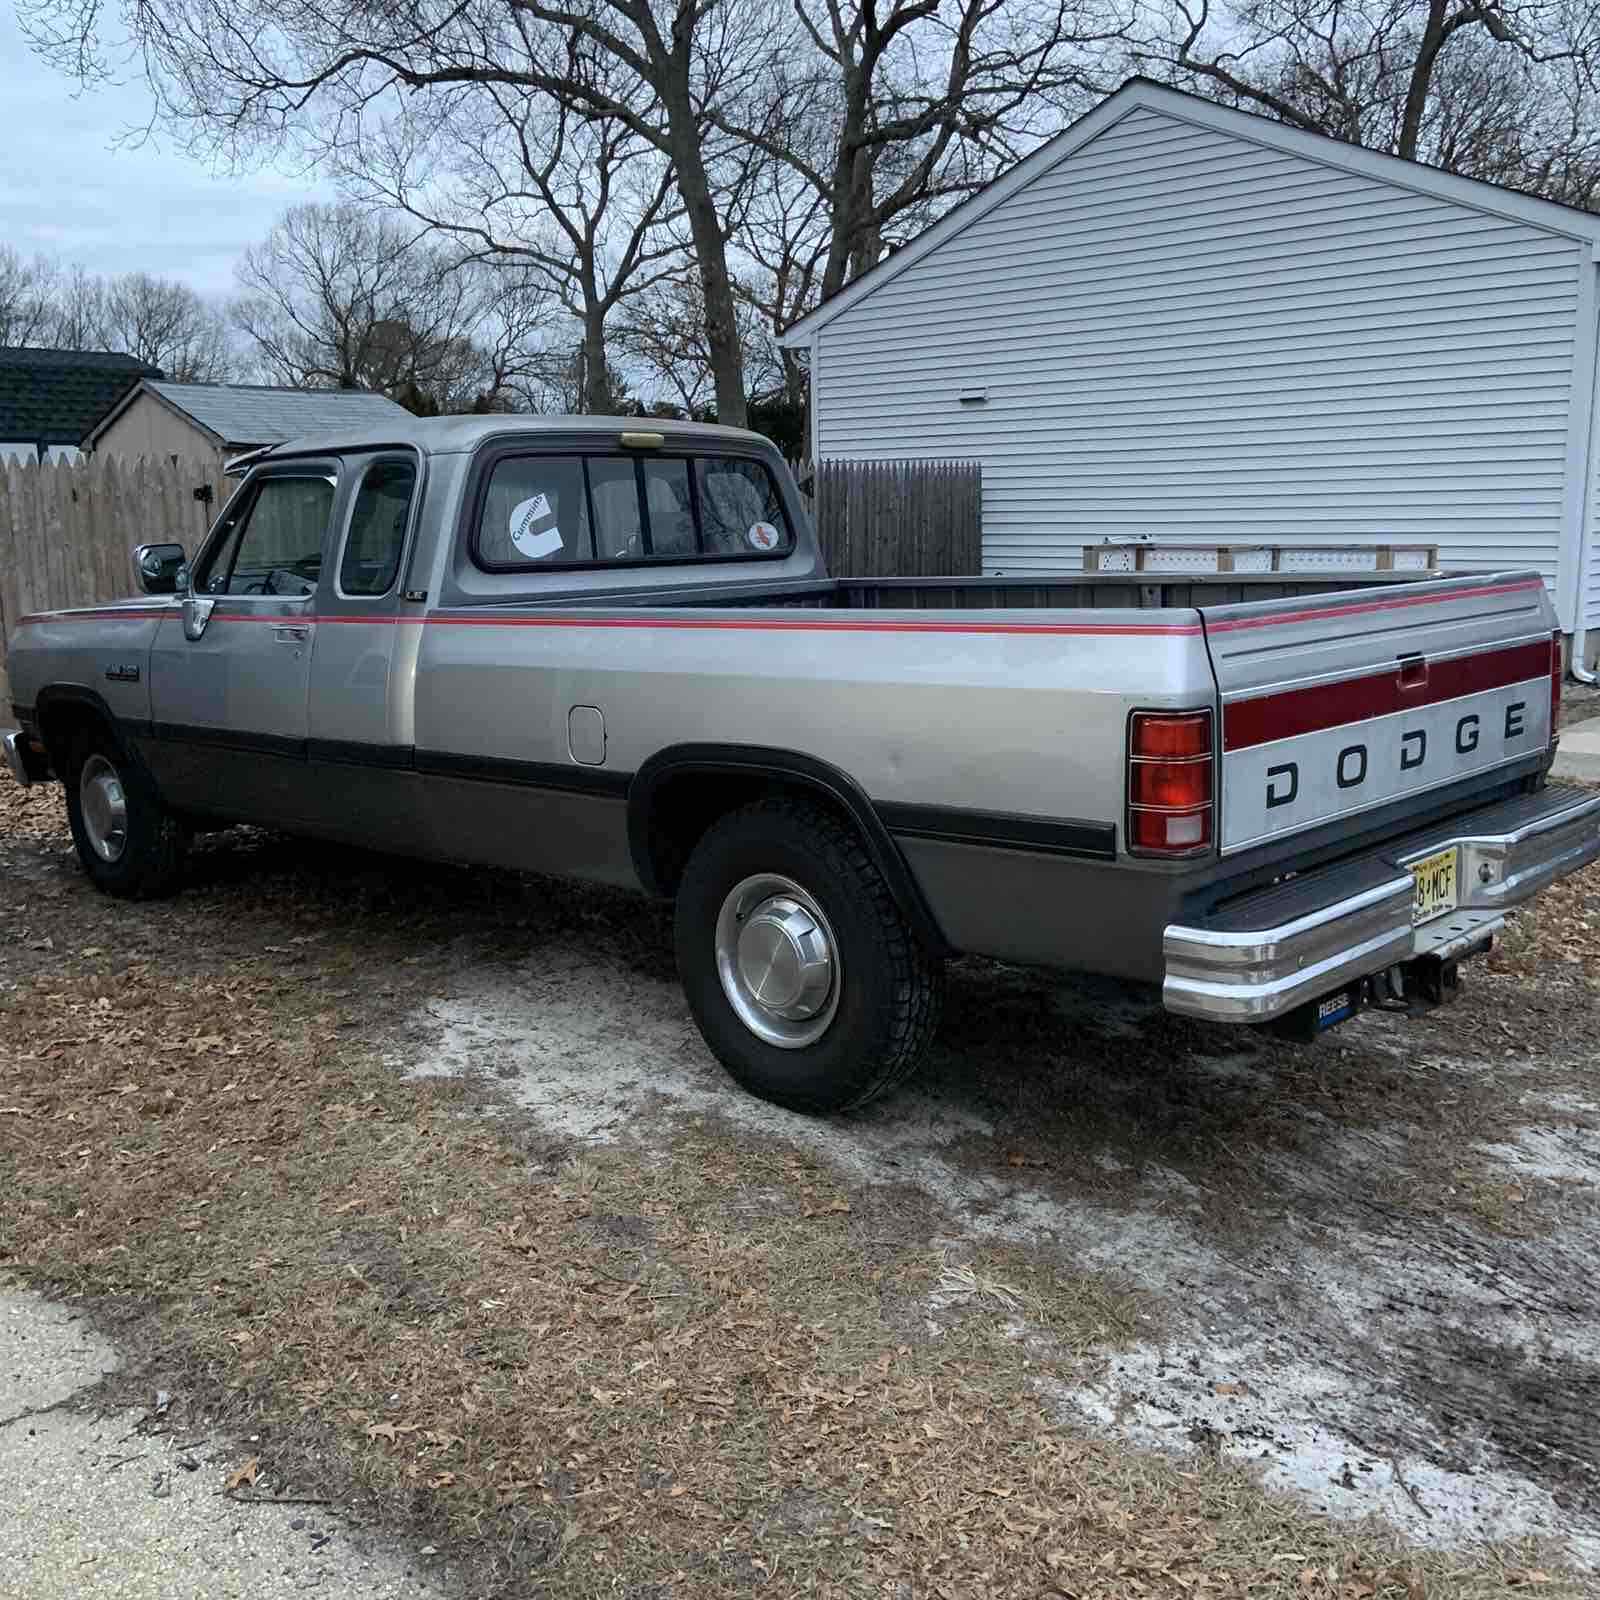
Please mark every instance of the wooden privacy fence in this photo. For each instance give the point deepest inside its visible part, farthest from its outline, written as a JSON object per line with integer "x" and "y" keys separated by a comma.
{"x": 67, "y": 532}
{"x": 897, "y": 519}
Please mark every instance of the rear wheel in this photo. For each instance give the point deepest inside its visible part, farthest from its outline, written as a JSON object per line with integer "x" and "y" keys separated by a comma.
{"x": 803, "y": 976}
{"x": 130, "y": 844}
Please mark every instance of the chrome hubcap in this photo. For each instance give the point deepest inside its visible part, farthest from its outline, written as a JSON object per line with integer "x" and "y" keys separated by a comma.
{"x": 105, "y": 808}
{"x": 777, "y": 961}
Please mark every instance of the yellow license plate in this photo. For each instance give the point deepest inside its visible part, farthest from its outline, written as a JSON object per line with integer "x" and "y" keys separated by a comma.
{"x": 1433, "y": 886}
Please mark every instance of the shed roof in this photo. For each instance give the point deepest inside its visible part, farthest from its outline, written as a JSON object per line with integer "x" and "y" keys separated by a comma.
{"x": 1144, "y": 94}
{"x": 57, "y": 396}
{"x": 239, "y": 415}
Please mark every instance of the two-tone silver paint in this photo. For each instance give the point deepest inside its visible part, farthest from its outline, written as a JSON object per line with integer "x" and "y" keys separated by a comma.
{"x": 500, "y": 717}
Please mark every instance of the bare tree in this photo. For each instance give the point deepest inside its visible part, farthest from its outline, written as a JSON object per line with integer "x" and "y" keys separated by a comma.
{"x": 1501, "y": 89}
{"x": 78, "y": 310}
{"x": 661, "y": 334}
{"x": 784, "y": 228}
{"x": 898, "y": 107}
{"x": 157, "y": 320}
{"x": 337, "y": 297}
{"x": 168, "y": 325}
{"x": 27, "y": 289}
{"x": 521, "y": 179}
{"x": 239, "y": 73}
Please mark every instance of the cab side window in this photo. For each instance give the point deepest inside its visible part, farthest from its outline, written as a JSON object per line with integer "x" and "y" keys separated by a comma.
{"x": 535, "y": 509}
{"x": 377, "y": 536}
{"x": 607, "y": 509}
{"x": 739, "y": 507}
{"x": 666, "y": 496}
{"x": 275, "y": 548}
{"x": 614, "y": 490}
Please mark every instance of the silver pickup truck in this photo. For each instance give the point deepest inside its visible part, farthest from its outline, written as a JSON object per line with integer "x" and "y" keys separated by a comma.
{"x": 608, "y": 650}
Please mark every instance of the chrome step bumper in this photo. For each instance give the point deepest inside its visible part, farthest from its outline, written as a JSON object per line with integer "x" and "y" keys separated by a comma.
{"x": 1273, "y": 950}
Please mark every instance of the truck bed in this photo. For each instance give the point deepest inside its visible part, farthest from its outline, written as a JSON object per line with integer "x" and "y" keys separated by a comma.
{"x": 1101, "y": 591}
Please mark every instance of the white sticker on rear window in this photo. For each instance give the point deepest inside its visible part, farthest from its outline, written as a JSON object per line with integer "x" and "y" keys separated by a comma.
{"x": 533, "y": 528}
{"x": 763, "y": 536}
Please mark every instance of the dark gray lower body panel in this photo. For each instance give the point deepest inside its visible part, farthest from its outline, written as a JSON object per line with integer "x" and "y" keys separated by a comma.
{"x": 1046, "y": 910}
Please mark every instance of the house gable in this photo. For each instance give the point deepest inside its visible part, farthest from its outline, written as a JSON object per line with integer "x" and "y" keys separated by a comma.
{"x": 1186, "y": 331}
{"x": 1141, "y": 95}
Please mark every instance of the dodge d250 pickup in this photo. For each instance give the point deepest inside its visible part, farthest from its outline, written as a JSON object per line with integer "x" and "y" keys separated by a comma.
{"x": 566, "y": 646}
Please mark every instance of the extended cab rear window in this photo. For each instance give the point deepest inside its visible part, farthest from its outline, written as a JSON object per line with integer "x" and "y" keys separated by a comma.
{"x": 535, "y": 512}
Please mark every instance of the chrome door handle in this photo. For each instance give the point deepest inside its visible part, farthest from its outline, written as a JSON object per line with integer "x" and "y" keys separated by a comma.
{"x": 291, "y": 635}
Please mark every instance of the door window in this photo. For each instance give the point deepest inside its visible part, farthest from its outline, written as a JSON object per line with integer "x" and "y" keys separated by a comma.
{"x": 276, "y": 547}
{"x": 377, "y": 535}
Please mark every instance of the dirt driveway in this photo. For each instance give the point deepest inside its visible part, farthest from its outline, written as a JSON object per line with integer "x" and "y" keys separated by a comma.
{"x": 1364, "y": 1270}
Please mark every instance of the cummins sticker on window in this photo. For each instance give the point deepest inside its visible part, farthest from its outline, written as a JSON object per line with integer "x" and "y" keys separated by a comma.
{"x": 533, "y": 528}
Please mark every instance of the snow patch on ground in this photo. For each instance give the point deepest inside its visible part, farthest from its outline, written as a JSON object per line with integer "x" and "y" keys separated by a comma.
{"x": 1268, "y": 1360}
{"x": 1281, "y": 1425}
{"x": 1567, "y": 1155}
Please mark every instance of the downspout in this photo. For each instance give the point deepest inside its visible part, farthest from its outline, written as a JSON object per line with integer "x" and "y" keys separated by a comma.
{"x": 1580, "y": 642}
{"x": 813, "y": 416}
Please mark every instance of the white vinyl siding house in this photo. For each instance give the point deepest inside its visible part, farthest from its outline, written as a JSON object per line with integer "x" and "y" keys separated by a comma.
{"x": 1181, "y": 321}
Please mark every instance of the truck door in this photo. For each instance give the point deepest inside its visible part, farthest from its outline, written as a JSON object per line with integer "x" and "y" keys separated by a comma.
{"x": 229, "y": 675}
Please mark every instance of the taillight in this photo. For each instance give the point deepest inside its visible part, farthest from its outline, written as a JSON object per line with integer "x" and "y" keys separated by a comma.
{"x": 1555, "y": 685}
{"x": 1169, "y": 782}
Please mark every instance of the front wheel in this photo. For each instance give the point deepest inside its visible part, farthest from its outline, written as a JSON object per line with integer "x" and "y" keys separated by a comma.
{"x": 130, "y": 844}
{"x": 802, "y": 974}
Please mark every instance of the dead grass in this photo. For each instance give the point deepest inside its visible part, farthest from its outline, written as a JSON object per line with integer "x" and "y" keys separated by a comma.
{"x": 682, "y": 1370}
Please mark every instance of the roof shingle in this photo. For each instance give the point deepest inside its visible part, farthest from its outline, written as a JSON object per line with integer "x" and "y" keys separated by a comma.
{"x": 241, "y": 415}
{"x": 57, "y": 396}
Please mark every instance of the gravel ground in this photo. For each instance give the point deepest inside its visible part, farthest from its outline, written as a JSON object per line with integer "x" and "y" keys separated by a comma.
{"x": 108, "y": 1504}
{"x": 1580, "y": 702}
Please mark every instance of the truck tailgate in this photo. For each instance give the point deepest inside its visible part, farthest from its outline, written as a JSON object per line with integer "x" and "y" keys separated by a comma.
{"x": 1337, "y": 704}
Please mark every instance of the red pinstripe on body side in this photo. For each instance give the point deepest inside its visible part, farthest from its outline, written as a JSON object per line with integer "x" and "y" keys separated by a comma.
{"x": 735, "y": 624}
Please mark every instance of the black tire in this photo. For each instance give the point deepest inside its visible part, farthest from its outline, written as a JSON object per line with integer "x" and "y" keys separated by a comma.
{"x": 889, "y": 985}
{"x": 150, "y": 862}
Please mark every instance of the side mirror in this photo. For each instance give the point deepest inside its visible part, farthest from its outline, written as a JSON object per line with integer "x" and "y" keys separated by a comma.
{"x": 162, "y": 568}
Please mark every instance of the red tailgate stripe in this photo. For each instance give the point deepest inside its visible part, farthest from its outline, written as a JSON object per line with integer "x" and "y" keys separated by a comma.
{"x": 1232, "y": 624}
{"x": 1331, "y": 705}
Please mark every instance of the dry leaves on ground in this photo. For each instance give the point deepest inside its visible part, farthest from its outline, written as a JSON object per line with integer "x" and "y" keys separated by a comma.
{"x": 693, "y": 1369}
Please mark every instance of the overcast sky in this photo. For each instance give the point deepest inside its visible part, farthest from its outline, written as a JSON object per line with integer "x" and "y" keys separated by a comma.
{"x": 68, "y": 190}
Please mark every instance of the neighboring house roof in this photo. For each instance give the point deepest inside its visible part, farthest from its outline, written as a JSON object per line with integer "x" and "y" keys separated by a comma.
{"x": 1143, "y": 94}
{"x": 57, "y": 396}
{"x": 241, "y": 415}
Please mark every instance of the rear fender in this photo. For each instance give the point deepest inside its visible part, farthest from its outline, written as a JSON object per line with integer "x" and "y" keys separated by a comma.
{"x": 679, "y": 792}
